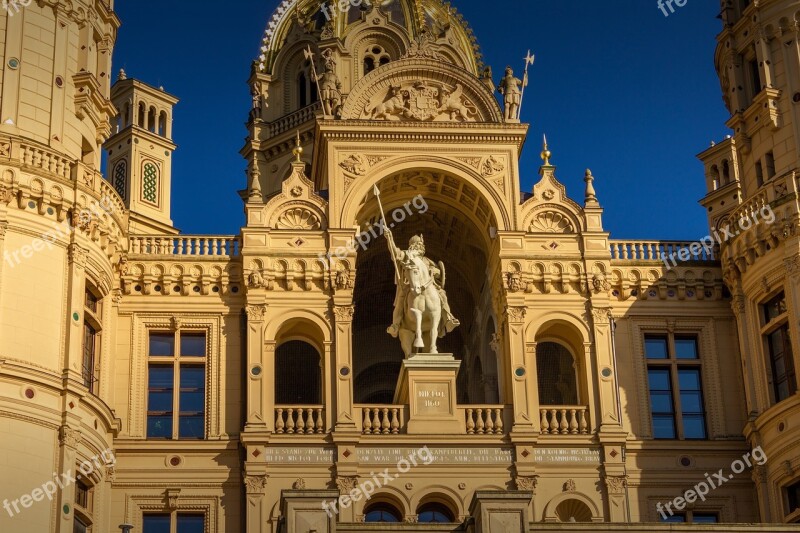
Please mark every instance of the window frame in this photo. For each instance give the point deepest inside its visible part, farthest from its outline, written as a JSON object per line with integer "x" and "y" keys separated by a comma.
{"x": 176, "y": 362}
{"x": 92, "y": 319}
{"x": 674, "y": 364}
{"x": 81, "y": 512}
{"x": 174, "y": 516}
{"x": 770, "y": 326}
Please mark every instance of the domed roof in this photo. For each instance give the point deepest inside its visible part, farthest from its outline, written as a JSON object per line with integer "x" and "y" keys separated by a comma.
{"x": 324, "y": 19}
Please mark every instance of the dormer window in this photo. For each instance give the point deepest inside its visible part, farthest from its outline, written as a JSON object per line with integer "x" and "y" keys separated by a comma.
{"x": 375, "y": 57}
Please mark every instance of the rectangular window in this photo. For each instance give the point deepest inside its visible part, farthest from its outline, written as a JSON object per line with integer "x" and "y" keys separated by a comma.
{"x": 79, "y": 526}
{"x": 759, "y": 174}
{"x": 755, "y": 79}
{"x": 90, "y": 347}
{"x": 82, "y": 517}
{"x": 183, "y": 523}
{"x": 661, "y": 403}
{"x": 779, "y": 348}
{"x": 793, "y": 498}
{"x": 675, "y": 382}
{"x": 770, "y": 162}
{"x": 705, "y": 518}
{"x": 176, "y": 386}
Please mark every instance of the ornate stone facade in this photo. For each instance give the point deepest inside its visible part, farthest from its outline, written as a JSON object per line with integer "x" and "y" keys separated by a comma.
{"x": 276, "y": 337}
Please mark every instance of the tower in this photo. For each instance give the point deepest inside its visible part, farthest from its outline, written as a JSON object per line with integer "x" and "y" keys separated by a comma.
{"x": 139, "y": 164}
{"x": 752, "y": 206}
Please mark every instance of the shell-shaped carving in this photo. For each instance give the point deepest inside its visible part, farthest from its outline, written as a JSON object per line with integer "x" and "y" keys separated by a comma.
{"x": 298, "y": 218}
{"x": 573, "y": 511}
{"x": 176, "y": 270}
{"x": 551, "y": 222}
{"x": 216, "y": 271}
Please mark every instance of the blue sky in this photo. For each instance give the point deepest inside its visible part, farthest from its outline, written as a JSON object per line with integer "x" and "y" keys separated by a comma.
{"x": 617, "y": 87}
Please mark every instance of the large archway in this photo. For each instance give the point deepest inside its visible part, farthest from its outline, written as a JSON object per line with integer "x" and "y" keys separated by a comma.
{"x": 457, "y": 226}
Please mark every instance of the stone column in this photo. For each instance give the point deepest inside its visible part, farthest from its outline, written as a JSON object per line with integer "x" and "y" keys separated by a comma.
{"x": 76, "y": 283}
{"x": 751, "y": 369}
{"x": 523, "y": 377}
{"x": 500, "y": 511}
{"x": 343, "y": 369}
{"x": 260, "y": 372}
{"x": 68, "y": 440}
{"x": 302, "y": 510}
{"x": 255, "y": 481}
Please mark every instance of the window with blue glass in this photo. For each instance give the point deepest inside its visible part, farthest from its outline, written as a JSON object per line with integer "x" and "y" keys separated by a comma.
{"x": 674, "y": 375}
{"x": 434, "y": 513}
{"x": 175, "y": 522}
{"x": 692, "y": 517}
{"x": 775, "y": 332}
{"x": 176, "y": 396}
{"x": 381, "y": 512}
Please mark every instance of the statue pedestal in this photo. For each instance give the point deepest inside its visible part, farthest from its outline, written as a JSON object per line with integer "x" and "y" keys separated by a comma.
{"x": 427, "y": 384}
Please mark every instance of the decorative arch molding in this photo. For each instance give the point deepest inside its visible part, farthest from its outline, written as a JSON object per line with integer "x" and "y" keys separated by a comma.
{"x": 550, "y": 508}
{"x": 288, "y": 319}
{"x": 297, "y": 207}
{"x": 360, "y": 189}
{"x": 373, "y": 97}
{"x": 374, "y": 29}
{"x": 550, "y": 194}
{"x": 544, "y": 322}
{"x": 392, "y": 496}
{"x": 550, "y": 219}
{"x": 439, "y": 494}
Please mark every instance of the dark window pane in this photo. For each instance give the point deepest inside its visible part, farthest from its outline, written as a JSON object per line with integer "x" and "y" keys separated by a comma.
{"x": 793, "y": 492}
{"x": 558, "y": 384}
{"x": 659, "y": 379}
{"x": 159, "y": 401}
{"x": 298, "y": 379}
{"x": 159, "y": 427}
{"x": 91, "y": 301}
{"x": 193, "y": 377}
{"x": 161, "y": 377}
{"x": 191, "y": 427}
{"x": 655, "y": 347}
{"x": 82, "y": 495}
{"x": 162, "y": 344}
{"x": 193, "y": 344}
{"x": 661, "y": 402}
{"x": 689, "y": 379}
{"x": 676, "y": 518}
{"x": 89, "y": 349}
{"x": 192, "y": 403}
{"x": 79, "y": 526}
{"x": 692, "y": 402}
{"x": 381, "y": 513}
{"x": 156, "y": 523}
{"x": 704, "y": 518}
{"x": 694, "y": 426}
{"x": 686, "y": 347}
{"x": 191, "y": 523}
{"x": 663, "y": 426}
{"x": 774, "y": 308}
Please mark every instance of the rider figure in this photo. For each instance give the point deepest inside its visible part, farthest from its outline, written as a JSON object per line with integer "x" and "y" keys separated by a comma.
{"x": 415, "y": 257}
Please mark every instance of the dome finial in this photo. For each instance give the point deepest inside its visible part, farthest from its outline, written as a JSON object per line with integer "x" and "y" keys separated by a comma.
{"x": 298, "y": 149}
{"x": 546, "y": 153}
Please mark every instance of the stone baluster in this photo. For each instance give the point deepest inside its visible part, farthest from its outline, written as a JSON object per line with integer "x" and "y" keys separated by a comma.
{"x": 290, "y": 420}
{"x": 300, "y": 425}
{"x": 563, "y": 426}
{"x": 583, "y": 425}
{"x": 385, "y": 421}
{"x": 367, "y": 423}
{"x": 320, "y": 420}
{"x": 498, "y": 426}
{"x": 470, "y": 423}
{"x": 376, "y": 424}
{"x": 544, "y": 423}
{"x": 489, "y": 422}
{"x": 279, "y": 420}
{"x": 479, "y": 415}
{"x": 395, "y": 425}
{"x": 573, "y": 422}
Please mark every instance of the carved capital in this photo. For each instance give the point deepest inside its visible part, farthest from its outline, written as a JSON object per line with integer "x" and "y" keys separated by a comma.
{"x": 255, "y": 484}
{"x": 256, "y": 312}
{"x": 172, "y": 498}
{"x": 69, "y": 437}
{"x": 77, "y": 256}
{"x": 602, "y": 315}
{"x": 616, "y": 484}
{"x": 526, "y": 482}
{"x": 343, "y": 313}
{"x": 345, "y": 484}
{"x": 516, "y": 315}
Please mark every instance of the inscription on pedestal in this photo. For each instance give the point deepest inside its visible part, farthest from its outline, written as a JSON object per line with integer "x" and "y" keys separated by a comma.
{"x": 432, "y": 399}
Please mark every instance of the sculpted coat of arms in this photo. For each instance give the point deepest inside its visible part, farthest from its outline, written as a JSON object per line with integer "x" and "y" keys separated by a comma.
{"x": 423, "y": 101}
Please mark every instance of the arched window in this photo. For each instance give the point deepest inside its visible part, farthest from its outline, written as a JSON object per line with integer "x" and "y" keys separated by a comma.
{"x": 573, "y": 511}
{"x": 375, "y": 57}
{"x": 298, "y": 378}
{"x": 162, "y": 124}
{"x": 126, "y": 115}
{"x": 381, "y": 512}
{"x": 558, "y": 384}
{"x": 715, "y": 177}
{"x": 726, "y": 172}
{"x": 306, "y": 86}
{"x": 150, "y": 183}
{"x": 120, "y": 178}
{"x": 151, "y": 120}
{"x": 141, "y": 114}
{"x": 434, "y": 512}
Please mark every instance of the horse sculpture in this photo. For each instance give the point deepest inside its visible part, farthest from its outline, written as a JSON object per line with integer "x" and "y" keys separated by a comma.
{"x": 423, "y": 308}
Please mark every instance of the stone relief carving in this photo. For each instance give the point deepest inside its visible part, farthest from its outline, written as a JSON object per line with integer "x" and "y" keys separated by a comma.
{"x": 298, "y": 218}
{"x": 345, "y": 484}
{"x": 343, "y": 313}
{"x": 616, "y": 484}
{"x": 569, "y": 486}
{"x": 423, "y": 101}
{"x": 255, "y": 484}
{"x": 255, "y": 312}
{"x": 526, "y": 482}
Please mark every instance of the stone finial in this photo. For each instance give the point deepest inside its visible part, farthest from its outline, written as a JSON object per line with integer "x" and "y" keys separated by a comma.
{"x": 546, "y": 153}
{"x": 591, "y": 195}
{"x": 298, "y": 149}
{"x": 122, "y": 75}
